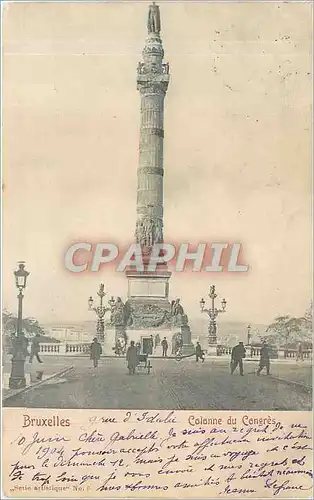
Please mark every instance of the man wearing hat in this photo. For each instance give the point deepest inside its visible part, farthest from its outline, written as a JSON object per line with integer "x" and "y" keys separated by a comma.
{"x": 237, "y": 355}
{"x": 264, "y": 359}
{"x": 95, "y": 351}
{"x": 132, "y": 357}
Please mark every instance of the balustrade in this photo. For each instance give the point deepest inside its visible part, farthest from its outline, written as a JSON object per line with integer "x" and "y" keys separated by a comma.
{"x": 254, "y": 352}
{"x": 49, "y": 348}
{"x": 83, "y": 349}
{"x": 224, "y": 350}
{"x": 77, "y": 349}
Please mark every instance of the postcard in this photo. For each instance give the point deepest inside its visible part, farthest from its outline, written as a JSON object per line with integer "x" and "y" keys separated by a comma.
{"x": 157, "y": 236}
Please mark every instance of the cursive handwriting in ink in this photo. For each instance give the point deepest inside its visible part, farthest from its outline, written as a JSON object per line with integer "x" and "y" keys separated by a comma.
{"x": 65, "y": 479}
{"x": 145, "y": 487}
{"x": 17, "y": 470}
{"x": 42, "y": 478}
{"x": 88, "y": 477}
{"x": 106, "y": 486}
{"x": 239, "y": 491}
{"x": 173, "y": 460}
{"x": 47, "y": 451}
{"x": 37, "y": 439}
{"x": 137, "y": 474}
{"x": 156, "y": 418}
{"x": 189, "y": 432}
{"x": 102, "y": 420}
{"x": 92, "y": 437}
{"x": 133, "y": 435}
{"x": 285, "y": 486}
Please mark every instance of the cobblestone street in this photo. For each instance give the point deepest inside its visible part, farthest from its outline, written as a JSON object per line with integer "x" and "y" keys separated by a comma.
{"x": 170, "y": 385}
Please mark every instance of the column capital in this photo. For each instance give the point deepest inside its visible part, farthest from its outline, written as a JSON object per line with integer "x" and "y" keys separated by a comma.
{"x": 152, "y": 83}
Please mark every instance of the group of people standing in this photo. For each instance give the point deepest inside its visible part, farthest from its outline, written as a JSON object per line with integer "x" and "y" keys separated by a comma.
{"x": 238, "y": 353}
{"x": 132, "y": 354}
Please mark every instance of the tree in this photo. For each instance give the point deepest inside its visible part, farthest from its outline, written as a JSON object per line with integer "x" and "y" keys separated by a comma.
{"x": 29, "y": 325}
{"x": 307, "y": 322}
{"x": 286, "y": 328}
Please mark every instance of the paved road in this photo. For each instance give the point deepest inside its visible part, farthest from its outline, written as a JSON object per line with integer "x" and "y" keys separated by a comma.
{"x": 170, "y": 385}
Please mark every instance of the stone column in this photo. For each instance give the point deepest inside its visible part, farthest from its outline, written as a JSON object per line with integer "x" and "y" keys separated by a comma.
{"x": 150, "y": 170}
{"x": 152, "y": 83}
{"x": 148, "y": 291}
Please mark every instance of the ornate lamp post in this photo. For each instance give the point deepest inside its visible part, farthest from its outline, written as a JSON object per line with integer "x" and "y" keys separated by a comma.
{"x": 249, "y": 335}
{"x": 212, "y": 313}
{"x": 100, "y": 311}
{"x": 17, "y": 378}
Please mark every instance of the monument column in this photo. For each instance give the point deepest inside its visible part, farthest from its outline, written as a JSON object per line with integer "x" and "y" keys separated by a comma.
{"x": 152, "y": 83}
{"x": 148, "y": 309}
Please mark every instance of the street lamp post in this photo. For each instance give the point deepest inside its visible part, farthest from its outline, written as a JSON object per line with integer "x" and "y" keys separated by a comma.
{"x": 17, "y": 378}
{"x": 249, "y": 335}
{"x": 100, "y": 311}
{"x": 212, "y": 312}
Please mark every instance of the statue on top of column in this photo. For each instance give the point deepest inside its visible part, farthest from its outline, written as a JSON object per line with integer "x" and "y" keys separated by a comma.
{"x": 153, "y": 23}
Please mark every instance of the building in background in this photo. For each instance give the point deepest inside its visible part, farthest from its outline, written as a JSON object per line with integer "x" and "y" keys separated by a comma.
{"x": 71, "y": 332}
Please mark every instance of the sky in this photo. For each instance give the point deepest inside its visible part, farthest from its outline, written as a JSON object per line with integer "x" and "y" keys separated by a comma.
{"x": 237, "y": 148}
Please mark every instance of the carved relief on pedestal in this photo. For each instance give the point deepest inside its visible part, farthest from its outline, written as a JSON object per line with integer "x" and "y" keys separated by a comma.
{"x": 158, "y": 231}
{"x": 149, "y": 231}
{"x": 150, "y": 316}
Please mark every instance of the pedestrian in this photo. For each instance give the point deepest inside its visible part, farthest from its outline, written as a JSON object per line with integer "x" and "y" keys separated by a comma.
{"x": 300, "y": 352}
{"x": 157, "y": 340}
{"x": 237, "y": 355}
{"x": 132, "y": 358}
{"x": 264, "y": 359}
{"x": 151, "y": 345}
{"x": 35, "y": 349}
{"x": 164, "y": 345}
{"x": 118, "y": 348}
{"x": 199, "y": 352}
{"x": 173, "y": 344}
{"x": 95, "y": 352}
{"x": 178, "y": 345}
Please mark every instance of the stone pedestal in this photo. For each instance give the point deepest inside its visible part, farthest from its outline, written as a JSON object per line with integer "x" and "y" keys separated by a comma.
{"x": 153, "y": 286}
{"x": 148, "y": 299}
{"x": 17, "y": 378}
{"x": 188, "y": 347}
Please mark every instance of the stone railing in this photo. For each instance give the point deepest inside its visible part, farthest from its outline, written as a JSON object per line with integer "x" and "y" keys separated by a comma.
{"x": 251, "y": 352}
{"x": 83, "y": 349}
{"x": 77, "y": 349}
{"x": 50, "y": 348}
{"x": 292, "y": 353}
{"x": 68, "y": 349}
{"x": 254, "y": 352}
{"x": 223, "y": 351}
